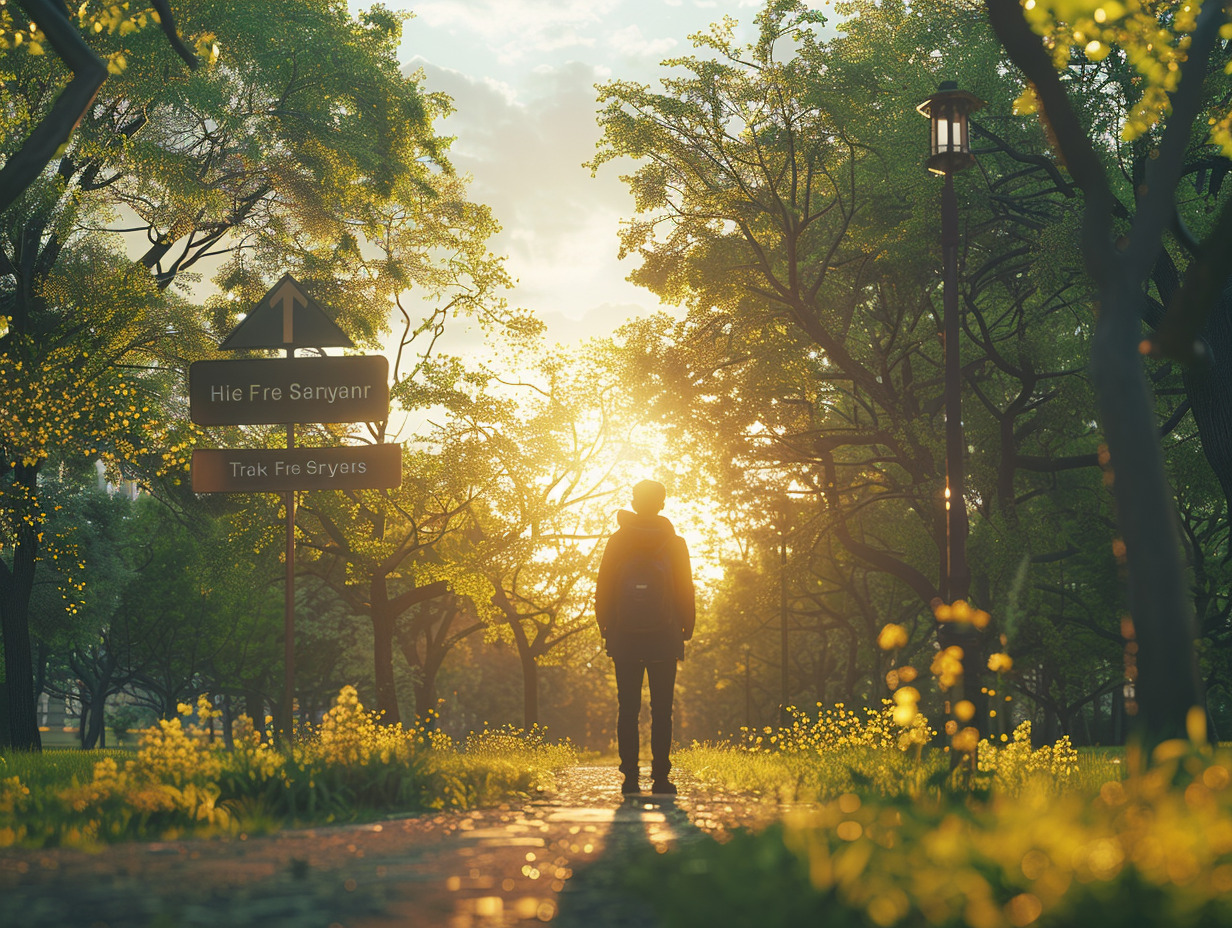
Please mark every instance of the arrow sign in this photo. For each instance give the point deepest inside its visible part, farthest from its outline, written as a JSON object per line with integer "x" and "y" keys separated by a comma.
{"x": 286, "y": 317}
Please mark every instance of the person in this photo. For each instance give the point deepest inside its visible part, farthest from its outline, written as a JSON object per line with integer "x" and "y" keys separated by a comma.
{"x": 644, "y": 604}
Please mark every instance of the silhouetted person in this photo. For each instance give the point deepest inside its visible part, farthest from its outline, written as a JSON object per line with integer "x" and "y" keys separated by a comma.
{"x": 645, "y": 609}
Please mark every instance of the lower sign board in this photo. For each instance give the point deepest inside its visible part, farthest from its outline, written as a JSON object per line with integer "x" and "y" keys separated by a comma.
{"x": 276, "y": 470}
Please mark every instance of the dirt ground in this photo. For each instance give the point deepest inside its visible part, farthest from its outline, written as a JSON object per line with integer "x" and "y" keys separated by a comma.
{"x": 550, "y": 860}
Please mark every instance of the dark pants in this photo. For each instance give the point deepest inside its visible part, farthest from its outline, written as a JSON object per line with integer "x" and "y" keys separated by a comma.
{"x": 662, "y": 676}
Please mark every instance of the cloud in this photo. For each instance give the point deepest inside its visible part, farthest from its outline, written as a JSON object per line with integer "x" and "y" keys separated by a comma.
{"x": 517, "y": 29}
{"x": 559, "y": 225}
{"x": 630, "y": 41}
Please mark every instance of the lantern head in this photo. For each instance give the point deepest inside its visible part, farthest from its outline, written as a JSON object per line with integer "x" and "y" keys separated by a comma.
{"x": 947, "y": 112}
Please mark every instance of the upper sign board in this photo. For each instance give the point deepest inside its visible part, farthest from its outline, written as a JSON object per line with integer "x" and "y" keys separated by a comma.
{"x": 269, "y": 391}
{"x": 287, "y": 317}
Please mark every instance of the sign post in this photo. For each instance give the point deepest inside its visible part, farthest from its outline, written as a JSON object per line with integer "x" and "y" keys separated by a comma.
{"x": 288, "y": 606}
{"x": 288, "y": 390}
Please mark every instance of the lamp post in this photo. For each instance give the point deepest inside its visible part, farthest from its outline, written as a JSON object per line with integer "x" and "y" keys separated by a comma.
{"x": 748, "y": 687}
{"x": 784, "y": 641}
{"x": 950, "y": 152}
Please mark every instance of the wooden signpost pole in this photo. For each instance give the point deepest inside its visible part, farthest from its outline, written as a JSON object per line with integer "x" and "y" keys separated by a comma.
{"x": 288, "y": 623}
{"x": 272, "y": 390}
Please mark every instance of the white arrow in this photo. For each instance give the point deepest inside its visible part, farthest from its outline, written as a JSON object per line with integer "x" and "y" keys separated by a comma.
{"x": 287, "y": 293}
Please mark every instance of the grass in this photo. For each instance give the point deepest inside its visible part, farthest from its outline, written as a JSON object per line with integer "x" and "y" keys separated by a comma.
{"x": 793, "y": 776}
{"x": 55, "y": 768}
{"x": 1100, "y": 765}
{"x": 179, "y": 783}
{"x": 1047, "y": 837}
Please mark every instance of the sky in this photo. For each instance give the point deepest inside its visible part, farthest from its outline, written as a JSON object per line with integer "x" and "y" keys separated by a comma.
{"x": 522, "y": 76}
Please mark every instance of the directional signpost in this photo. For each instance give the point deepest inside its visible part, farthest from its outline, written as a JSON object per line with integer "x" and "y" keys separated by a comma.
{"x": 263, "y": 391}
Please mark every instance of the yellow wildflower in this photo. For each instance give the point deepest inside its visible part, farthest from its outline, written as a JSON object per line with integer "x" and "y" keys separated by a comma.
{"x": 892, "y": 637}
{"x": 1000, "y": 662}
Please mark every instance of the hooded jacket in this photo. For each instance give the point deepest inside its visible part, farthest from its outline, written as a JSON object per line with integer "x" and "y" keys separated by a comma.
{"x": 638, "y": 533}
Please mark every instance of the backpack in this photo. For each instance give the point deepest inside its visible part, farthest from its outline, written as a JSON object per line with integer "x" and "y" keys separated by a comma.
{"x": 645, "y": 604}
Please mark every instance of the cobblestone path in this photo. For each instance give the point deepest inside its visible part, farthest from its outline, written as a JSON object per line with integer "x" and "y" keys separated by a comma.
{"x": 552, "y": 860}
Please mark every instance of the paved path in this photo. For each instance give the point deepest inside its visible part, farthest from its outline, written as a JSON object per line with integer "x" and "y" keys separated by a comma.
{"x": 550, "y": 860}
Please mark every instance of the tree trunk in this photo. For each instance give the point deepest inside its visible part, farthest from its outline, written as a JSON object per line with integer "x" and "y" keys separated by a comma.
{"x": 95, "y": 724}
{"x": 1161, "y": 609}
{"x": 254, "y": 708}
{"x": 383, "y": 668}
{"x": 1208, "y": 385}
{"x": 5, "y": 740}
{"x": 16, "y": 584}
{"x": 530, "y": 691}
{"x": 83, "y": 719}
{"x": 1168, "y": 685}
{"x": 424, "y": 681}
{"x": 425, "y": 699}
{"x": 424, "y": 685}
{"x": 228, "y": 716}
{"x": 530, "y": 672}
{"x": 94, "y": 728}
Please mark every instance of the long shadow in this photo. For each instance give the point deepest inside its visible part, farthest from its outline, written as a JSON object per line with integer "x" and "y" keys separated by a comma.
{"x": 596, "y": 896}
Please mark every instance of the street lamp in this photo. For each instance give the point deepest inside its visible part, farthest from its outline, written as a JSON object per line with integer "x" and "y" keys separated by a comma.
{"x": 950, "y": 151}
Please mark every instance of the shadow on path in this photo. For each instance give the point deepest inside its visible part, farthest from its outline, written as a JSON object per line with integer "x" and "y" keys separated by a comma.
{"x": 639, "y": 825}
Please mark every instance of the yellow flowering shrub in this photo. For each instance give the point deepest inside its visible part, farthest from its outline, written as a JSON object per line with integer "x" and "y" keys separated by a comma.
{"x": 947, "y": 667}
{"x": 960, "y": 612}
{"x": 836, "y": 728}
{"x": 169, "y": 753}
{"x": 1000, "y": 663}
{"x": 14, "y": 797}
{"x": 1017, "y": 764}
{"x": 169, "y": 784}
{"x": 182, "y": 781}
{"x": 825, "y": 753}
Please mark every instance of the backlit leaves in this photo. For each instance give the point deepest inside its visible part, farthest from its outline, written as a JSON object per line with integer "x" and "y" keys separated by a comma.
{"x": 1152, "y": 35}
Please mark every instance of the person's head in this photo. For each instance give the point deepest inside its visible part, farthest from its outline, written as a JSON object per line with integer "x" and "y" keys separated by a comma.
{"x": 648, "y": 497}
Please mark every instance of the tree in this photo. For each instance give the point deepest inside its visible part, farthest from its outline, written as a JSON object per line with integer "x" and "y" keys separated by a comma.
{"x": 77, "y": 624}
{"x": 557, "y": 455}
{"x": 435, "y": 628}
{"x": 49, "y": 21}
{"x": 771, "y": 211}
{"x": 1120, "y": 252}
{"x": 280, "y": 153}
{"x": 377, "y": 552}
{"x": 65, "y": 391}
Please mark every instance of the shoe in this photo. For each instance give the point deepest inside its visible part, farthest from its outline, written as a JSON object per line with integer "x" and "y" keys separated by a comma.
{"x": 664, "y": 788}
{"x": 630, "y": 786}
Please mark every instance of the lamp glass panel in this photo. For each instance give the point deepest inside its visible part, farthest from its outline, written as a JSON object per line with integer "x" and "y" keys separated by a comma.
{"x": 945, "y": 137}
